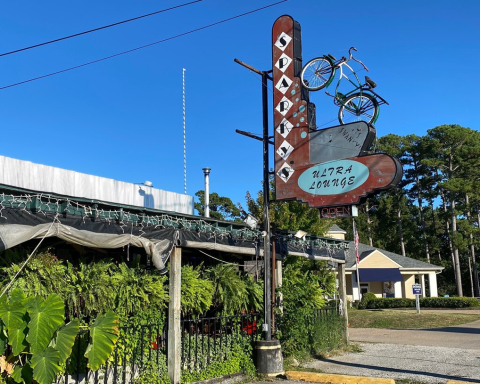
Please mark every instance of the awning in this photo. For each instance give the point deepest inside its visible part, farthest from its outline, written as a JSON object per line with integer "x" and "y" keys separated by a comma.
{"x": 380, "y": 274}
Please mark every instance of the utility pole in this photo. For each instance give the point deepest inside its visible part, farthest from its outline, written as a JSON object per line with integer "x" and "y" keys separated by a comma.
{"x": 266, "y": 202}
{"x": 269, "y": 353}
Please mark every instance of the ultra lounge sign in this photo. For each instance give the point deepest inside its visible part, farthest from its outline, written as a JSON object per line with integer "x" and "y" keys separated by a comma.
{"x": 324, "y": 168}
{"x": 334, "y": 177}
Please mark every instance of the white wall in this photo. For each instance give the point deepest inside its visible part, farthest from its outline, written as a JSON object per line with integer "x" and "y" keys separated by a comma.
{"x": 43, "y": 178}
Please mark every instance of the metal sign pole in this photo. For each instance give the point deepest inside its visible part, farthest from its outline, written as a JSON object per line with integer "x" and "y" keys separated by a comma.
{"x": 355, "y": 241}
{"x": 266, "y": 214}
{"x": 267, "y": 327}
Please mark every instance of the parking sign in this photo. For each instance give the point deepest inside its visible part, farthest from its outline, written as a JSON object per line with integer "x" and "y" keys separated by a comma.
{"x": 417, "y": 289}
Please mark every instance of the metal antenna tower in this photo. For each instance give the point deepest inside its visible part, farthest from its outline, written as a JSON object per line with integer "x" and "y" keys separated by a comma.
{"x": 184, "y": 138}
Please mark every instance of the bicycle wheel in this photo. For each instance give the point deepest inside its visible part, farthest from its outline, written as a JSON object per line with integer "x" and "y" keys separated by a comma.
{"x": 317, "y": 73}
{"x": 358, "y": 107}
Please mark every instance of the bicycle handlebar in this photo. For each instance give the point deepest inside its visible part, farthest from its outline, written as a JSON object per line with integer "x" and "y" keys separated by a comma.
{"x": 358, "y": 61}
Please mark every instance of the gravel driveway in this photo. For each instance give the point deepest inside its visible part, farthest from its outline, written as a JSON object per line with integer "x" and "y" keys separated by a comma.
{"x": 427, "y": 355}
{"x": 422, "y": 363}
{"x": 430, "y": 355}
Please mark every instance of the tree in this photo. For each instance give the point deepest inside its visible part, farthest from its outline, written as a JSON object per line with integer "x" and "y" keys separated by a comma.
{"x": 221, "y": 208}
{"x": 289, "y": 215}
{"x": 455, "y": 152}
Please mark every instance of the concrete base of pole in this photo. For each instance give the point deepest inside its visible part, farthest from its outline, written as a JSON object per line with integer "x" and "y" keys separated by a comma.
{"x": 269, "y": 358}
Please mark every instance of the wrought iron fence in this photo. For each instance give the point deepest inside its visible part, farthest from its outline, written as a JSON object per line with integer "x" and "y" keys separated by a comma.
{"x": 309, "y": 331}
{"x": 136, "y": 348}
{"x": 213, "y": 339}
{"x": 204, "y": 341}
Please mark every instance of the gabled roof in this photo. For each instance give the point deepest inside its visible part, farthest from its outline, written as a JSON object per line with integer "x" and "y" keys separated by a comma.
{"x": 336, "y": 229}
{"x": 405, "y": 262}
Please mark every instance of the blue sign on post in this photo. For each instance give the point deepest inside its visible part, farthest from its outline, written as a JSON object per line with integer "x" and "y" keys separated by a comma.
{"x": 417, "y": 289}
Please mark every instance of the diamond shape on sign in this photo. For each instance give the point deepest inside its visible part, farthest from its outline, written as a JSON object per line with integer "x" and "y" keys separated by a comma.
{"x": 283, "y": 62}
{"x": 284, "y": 128}
{"x": 285, "y": 172}
{"x": 283, "y": 41}
{"x": 283, "y": 84}
{"x": 284, "y": 106}
{"x": 284, "y": 150}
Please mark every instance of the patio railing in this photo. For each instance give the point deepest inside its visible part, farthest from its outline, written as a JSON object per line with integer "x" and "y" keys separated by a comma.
{"x": 204, "y": 341}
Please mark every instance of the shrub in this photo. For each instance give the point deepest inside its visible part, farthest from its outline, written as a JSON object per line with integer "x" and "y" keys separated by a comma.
{"x": 304, "y": 332}
{"x": 234, "y": 355}
{"x": 328, "y": 334}
{"x": 449, "y": 302}
{"x": 230, "y": 290}
{"x": 426, "y": 302}
{"x": 197, "y": 293}
{"x": 366, "y": 299}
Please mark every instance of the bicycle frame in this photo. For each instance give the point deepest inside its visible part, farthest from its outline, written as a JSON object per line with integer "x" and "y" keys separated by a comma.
{"x": 357, "y": 86}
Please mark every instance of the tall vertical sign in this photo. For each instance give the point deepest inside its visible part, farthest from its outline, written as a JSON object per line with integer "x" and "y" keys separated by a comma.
{"x": 290, "y": 103}
{"x": 324, "y": 168}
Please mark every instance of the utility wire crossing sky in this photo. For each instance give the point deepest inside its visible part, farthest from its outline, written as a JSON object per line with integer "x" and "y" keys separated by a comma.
{"x": 130, "y": 50}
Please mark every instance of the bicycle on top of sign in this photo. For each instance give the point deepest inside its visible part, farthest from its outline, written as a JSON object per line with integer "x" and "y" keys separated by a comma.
{"x": 360, "y": 104}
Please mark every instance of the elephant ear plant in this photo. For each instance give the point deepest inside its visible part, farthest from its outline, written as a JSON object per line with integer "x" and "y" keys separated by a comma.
{"x": 35, "y": 342}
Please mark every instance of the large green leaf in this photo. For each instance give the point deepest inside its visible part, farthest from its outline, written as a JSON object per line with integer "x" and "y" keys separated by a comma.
{"x": 16, "y": 338}
{"x": 45, "y": 318}
{"x": 13, "y": 316}
{"x": 103, "y": 336}
{"x": 12, "y": 313}
{"x": 17, "y": 374}
{"x": 65, "y": 339}
{"x": 3, "y": 338}
{"x": 45, "y": 365}
{"x": 23, "y": 374}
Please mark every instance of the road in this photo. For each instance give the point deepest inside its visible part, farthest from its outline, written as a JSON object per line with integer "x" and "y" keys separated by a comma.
{"x": 428, "y": 355}
{"x": 465, "y": 336}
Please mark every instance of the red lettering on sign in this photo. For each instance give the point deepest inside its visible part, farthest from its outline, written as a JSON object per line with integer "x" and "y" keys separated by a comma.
{"x": 335, "y": 212}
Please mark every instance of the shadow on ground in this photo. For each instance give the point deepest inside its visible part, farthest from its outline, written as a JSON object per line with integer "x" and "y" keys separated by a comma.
{"x": 385, "y": 369}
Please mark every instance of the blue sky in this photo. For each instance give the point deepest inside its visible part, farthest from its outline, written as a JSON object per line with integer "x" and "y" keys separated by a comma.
{"x": 122, "y": 118}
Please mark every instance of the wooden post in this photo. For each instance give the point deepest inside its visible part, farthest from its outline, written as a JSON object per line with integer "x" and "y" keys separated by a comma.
{"x": 278, "y": 283}
{"x": 274, "y": 299}
{"x": 342, "y": 288}
{"x": 174, "y": 333}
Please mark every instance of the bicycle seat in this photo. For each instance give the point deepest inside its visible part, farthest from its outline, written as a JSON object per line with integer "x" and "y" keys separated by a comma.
{"x": 370, "y": 82}
{"x": 331, "y": 56}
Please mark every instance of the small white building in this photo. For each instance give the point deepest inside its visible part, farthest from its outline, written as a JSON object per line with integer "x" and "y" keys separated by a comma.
{"x": 386, "y": 274}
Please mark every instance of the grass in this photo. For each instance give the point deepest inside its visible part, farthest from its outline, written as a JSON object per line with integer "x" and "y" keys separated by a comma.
{"x": 406, "y": 319}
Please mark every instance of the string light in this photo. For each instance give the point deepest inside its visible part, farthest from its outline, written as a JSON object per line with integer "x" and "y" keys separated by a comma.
{"x": 47, "y": 204}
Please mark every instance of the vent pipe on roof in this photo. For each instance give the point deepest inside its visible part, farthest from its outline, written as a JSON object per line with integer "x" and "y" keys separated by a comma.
{"x": 206, "y": 195}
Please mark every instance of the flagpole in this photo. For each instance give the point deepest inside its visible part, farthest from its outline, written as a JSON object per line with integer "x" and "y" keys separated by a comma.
{"x": 357, "y": 258}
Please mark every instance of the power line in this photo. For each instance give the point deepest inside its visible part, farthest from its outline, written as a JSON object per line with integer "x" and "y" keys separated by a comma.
{"x": 143, "y": 46}
{"x": 97, "y": 29}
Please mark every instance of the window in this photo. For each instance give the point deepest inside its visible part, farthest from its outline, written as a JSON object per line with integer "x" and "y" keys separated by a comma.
{"x": 364, "y": 288}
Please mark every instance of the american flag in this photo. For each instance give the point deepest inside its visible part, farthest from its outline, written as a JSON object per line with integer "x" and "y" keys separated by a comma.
{"x": 356, "y": 244}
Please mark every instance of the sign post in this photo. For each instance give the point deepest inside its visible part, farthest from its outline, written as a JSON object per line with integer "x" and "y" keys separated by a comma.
{"x": 417, "y": 291}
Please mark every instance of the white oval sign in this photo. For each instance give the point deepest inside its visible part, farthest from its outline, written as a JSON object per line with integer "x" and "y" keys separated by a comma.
{"x": 333, "y": 177}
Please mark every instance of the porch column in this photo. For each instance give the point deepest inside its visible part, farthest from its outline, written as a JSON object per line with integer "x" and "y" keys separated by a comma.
{"x": 174, "y": 308}
{"x": 397, "y": 288}
{"x": 342, "y": 290}
{"x": 432, "y": 284}
{"x": 355, "y": 287}
{"x": 422, "y": 281}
